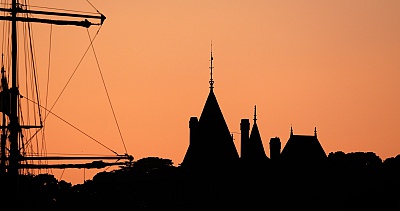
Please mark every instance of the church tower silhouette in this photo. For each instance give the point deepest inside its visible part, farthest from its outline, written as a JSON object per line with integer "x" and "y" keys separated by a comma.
{"x": 211, "y": 144}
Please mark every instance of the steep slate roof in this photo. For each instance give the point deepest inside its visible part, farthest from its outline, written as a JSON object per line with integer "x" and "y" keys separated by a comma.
{"x": 256, "y": 148}
{"x": 214, "y": 144}
{"x": 303, "y": 148}
{"x": 215, "y": 132}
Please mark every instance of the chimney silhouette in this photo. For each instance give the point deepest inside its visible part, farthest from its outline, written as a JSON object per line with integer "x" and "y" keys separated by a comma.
{"x": 274, "y": 148}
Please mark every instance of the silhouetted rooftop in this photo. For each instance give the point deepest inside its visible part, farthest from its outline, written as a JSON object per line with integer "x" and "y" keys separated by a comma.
{"x": 256, "y": 148}
{"x": 303, "y": 148}
{"x": 213, "y": 144}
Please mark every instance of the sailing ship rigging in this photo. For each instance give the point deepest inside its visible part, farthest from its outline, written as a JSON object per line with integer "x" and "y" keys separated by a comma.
{"x": 18, "y": 153}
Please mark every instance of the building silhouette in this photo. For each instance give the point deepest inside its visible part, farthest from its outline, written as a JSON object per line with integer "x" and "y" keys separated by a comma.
{"x": 252, "y": 150}
{"x": 211, "y": 144}
{"x": 218, "y": 175}
{"x": 304, "y": 150}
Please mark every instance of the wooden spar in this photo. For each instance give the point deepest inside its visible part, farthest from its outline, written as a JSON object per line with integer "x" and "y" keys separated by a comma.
{"x": 78, "y": 157}
{"x": 16, "y": 158}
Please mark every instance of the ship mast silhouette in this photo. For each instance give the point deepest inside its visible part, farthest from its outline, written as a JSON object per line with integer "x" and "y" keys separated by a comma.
{"x": 11, "y": 158}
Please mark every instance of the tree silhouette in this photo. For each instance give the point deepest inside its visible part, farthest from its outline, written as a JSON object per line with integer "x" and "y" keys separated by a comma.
{"x": 350, "y": 181}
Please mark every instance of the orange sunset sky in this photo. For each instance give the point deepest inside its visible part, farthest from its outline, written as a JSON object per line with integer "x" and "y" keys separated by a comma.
{"x": 334, "y": 65}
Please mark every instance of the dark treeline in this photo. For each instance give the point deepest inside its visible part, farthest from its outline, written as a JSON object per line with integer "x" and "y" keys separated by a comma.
{"x": 346, "y": 181}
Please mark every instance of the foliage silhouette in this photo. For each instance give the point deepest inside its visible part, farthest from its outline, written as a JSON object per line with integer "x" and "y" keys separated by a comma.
{"x": 348, "y": 181}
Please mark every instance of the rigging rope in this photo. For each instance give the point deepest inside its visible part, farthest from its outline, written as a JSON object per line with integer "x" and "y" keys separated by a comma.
{"x": 50, "y": 112}
{"x": 47, "y": 84}
{"x": 48, "y": 66}
{"x": 108, "y": 96}
{"x": 93, "y": 6}
{"x": 30, "y": 59}
{"x": 62, "y": 174}
{"x": 58, "y": 9}
{"x": 73, "y": 73}
{"x": 6, "y": 43}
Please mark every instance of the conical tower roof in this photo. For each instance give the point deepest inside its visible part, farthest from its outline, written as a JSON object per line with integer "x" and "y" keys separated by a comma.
{"x": 256, "y": 148}
{"x": 212, "y": 145}
{"x": 214, "y": 133}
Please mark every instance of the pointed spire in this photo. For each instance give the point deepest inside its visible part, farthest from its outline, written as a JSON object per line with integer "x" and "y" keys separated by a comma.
{"x": 291, "y": 130}
{"x": 255, "y": 114}
{"x": 211, "y": 70}
{"x": 315, "y": 131}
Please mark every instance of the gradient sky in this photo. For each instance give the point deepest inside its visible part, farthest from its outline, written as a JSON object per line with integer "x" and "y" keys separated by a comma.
{"x": 333, "y": 65}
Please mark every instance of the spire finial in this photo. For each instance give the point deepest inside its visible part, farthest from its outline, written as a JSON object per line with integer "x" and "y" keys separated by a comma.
{"x": 255, "y": 114}
{"x": 211, "y": 70}
{"x": 291, "y": 130}
{"x": 315, "y": 131}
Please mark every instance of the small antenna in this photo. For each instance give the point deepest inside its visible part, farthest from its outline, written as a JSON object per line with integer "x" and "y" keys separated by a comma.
{"x": 211, "y": 70}
{"x": 255, "y": 114}
{"x": 291, "y": 130}
{"x": 315, "y": 131}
